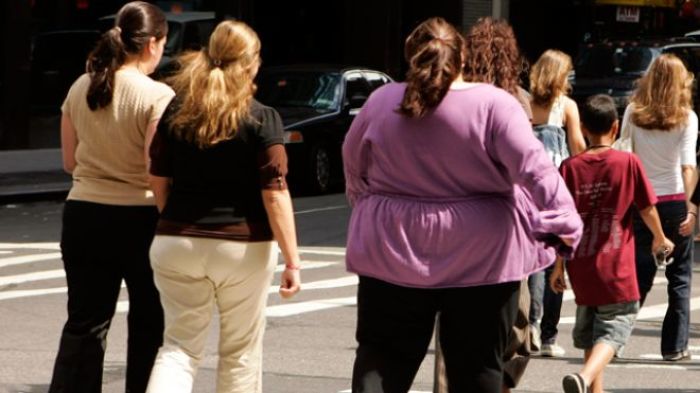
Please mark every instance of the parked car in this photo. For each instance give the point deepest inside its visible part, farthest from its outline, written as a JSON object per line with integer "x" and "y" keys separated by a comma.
{"x": 187, "y": 30}
{"x": 613, "y": 67}
{"x": 317, "y": 103}
{"x": 57, "y": 60}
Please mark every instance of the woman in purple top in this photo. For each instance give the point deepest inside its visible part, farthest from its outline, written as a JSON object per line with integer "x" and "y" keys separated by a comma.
{"x": 450, "y": 192}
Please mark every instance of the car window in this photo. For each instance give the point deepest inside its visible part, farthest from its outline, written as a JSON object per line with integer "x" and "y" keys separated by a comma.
{"x": 197, "y": 34}
{"x": 375, "y": 79}
{"x": 684, "y": 54}
{"x": 611, "y": 60}
{"x": 355, "y": 85}
{"x": 172, "y": 45}
{"x": 311, "y": 89}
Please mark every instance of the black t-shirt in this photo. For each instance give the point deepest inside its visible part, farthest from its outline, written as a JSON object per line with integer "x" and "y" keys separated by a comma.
{"x": 216, "y": 191}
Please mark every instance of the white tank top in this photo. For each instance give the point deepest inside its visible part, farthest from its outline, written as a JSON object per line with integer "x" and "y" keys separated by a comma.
{"x": 556, "y": 114}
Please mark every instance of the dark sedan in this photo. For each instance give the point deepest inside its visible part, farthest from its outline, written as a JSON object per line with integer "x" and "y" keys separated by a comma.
{"x": 317, "y": 104}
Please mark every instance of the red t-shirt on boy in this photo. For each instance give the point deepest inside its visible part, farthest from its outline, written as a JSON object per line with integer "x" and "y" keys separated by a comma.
{"x": 606, "y": 187}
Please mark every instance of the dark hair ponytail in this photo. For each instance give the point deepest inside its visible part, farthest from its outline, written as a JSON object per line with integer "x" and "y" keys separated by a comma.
{"x": 135, "y": 24}
{"x": 434, "y": 51}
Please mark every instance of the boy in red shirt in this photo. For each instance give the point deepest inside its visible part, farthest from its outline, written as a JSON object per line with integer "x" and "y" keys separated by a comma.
{"x": 606, "y": 185}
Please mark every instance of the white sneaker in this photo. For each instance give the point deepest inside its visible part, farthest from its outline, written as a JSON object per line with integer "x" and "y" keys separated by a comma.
{"x": 552, "y": 351}
{"x": 535, "y": 341}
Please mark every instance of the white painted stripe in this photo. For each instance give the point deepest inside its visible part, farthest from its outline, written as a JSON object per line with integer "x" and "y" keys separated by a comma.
{"x": 322, "y": 209}
{"x": 5, "y": 252}
{"x": 323, "y": 284}
{"x": 30, "y": 277}
{"x": 410, "y": 391}
{"x": 24, "y": 259}
{"x": 647, "y": 366}
{"x": 35, "y": 246}
{"x": 339, "y": 251}
{"x": 306, "y": 265}
{"x": 31, "y": 292}
{"x": 286, "y": 310}
{"x": 646, "y": 313}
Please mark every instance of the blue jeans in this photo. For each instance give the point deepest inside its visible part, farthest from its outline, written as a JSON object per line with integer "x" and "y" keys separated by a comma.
{"x": 545, "y": 304}
{"x": 674, "y": 332}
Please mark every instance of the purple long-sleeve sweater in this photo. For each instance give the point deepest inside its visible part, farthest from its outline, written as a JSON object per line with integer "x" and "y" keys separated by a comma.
{"x": 457, "y": 198}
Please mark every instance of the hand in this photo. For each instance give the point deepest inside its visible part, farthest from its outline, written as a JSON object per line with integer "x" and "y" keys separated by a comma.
{"x": 687, "y": 226}
{"x": 662, "y": 243}
{"x": 290, "y": 283}
{"x": 557, "y": 281}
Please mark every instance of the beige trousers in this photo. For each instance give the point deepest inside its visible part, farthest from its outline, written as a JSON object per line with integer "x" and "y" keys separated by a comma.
{"x": 195, "y": 276}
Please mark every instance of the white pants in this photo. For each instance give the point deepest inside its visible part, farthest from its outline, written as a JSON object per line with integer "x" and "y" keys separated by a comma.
{"x": 193, "y": 275}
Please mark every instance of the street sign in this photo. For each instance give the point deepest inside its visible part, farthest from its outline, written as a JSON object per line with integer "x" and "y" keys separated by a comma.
{"x": 628, "y": 14}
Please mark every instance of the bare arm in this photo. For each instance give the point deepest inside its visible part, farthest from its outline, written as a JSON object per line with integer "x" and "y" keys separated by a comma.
{"x": 150, "y": 132}
{"x": 69, "y": 142}
{"x": 161, "y": 190}
{"x": 575, "y": 139}
{"x": 278, "y": 205}
{"x": 689, "y": 174}
{"x": 650, "y": 216}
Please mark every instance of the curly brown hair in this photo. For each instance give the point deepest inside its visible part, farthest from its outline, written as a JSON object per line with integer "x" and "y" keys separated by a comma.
{"x": 493, "y": 55}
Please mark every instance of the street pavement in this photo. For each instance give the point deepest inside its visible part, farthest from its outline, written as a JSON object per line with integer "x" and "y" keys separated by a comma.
{"x": 309, "y": 343}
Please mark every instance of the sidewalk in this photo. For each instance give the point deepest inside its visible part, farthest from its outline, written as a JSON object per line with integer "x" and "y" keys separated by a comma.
{"x": 32, "y": 175}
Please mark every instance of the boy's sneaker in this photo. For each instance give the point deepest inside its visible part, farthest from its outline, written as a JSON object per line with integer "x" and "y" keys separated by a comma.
{"x": 552, "y": 351}
{"x": 677, "y": 356}
{"x": 535, "y": 341}
{"x": 574, "y": 383}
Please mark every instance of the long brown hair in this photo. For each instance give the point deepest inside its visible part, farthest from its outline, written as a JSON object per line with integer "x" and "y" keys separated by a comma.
{"x": 549, "y": 77}
{"x": 663, "y": 96}
{"x": 136, "y": 23}
{"x": 493, "y": 55}
{"x": 215, "y": 86}
{"x": 434, "y": 51}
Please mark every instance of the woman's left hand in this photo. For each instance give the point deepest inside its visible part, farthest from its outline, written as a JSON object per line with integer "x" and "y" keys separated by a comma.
{"x": 687, "y": 226}
{"x": 290, "y": 283}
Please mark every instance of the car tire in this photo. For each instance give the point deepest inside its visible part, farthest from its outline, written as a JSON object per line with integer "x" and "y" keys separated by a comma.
{"x": 319, "y": 175}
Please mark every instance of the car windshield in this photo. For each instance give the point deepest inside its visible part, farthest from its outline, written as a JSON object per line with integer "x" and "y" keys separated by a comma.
{"x": 604, "y": 61}
{"x": 174, "y": 37}
{"x": 317, "y": 90}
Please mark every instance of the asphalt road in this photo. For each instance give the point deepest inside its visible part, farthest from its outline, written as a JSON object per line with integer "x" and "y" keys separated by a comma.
{"x": 309, "y": 344}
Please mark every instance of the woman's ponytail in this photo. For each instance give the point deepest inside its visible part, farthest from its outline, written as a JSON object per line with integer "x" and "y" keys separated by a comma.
{"x": 434, "y": 51}
{"x": 102, "y": 64}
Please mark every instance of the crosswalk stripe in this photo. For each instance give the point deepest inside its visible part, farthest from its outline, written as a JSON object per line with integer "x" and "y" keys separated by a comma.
{"x": 31, "y": 246}
{"x": 24, "y": 259}
{"x": 29, "y": 277}
{"x": 286, "y": 310}
{"x": 646, "y": 313}
{"x": 339, "y": 252}
{"x": 347, "y": 281}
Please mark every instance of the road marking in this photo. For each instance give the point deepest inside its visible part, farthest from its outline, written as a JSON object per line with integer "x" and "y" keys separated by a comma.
{"x": 305, "y": 265}
{"x": 29, "y": 277}
{"x": 24, "y": 259}
{"x": 34, "y": 246}
{"x": 286, "y": 310}
{"x": 410, "y": 391}
{"x": 31, "y": 292}
{"x": 322, "y": 209}
{"x": 646, "y": 313}
{"x": 323, "y": 284}
{"x": 319, "y": 251}
{"x": 648, "y": 366}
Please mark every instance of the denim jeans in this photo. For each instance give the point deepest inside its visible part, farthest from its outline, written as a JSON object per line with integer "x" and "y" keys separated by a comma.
{"x": 676, "y": 325}
{"x": 544, "y": 304}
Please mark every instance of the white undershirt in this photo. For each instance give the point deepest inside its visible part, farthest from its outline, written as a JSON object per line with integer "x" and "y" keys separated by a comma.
{"x": 663, "y": 152}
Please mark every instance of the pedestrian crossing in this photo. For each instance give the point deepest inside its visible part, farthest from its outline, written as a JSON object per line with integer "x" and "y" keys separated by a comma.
{"x": 37, "y": 271}
{"x": 43, "y": 276}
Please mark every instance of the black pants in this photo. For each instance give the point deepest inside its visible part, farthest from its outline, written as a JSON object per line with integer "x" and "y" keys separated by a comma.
{"x": 101, "y": 245}
{"x": 395, "y": 326}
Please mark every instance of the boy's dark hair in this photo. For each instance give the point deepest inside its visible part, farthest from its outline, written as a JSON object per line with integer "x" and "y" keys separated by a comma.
{"x": 598, "y": 114}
